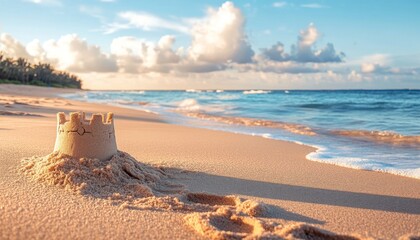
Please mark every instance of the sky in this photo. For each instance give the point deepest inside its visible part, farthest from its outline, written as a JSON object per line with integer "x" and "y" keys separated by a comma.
{"x": 251, "y": 44}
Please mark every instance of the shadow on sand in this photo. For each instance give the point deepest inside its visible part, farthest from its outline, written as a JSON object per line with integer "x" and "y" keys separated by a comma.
{"x": 227, "y": 185}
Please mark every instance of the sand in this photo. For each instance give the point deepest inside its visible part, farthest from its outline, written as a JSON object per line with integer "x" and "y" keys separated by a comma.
{"x": 266, "y": 188}
{"x": 133, "y": 185}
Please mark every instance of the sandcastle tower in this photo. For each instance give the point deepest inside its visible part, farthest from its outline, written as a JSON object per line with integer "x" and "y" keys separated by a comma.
{"x": 78, "y": 137}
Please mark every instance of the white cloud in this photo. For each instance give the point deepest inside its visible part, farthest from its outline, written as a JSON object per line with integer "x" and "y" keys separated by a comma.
{"x": 379, "y": 58}
{"x": 74, "y": 54}
{"x": 220, "y": 37}
{"x": 276, "y": 53}
{"x": 354, "y": 76}
{"x": 217, "y": 40}
{"x": 165, "y": 54}
{"x": 308, "y": 36}
{"x": 368, "y": 67}
{"x": 46, "y": 2}
{"x": 313, "y": 5}
{"x": 92, "y": 11}
{"x": 128, "y": 52}
{"x": 11, "y": 47}
{"x": 381, "y": 64}
{"x": 137, "y": 55}
{"x": 67, "y": 53}
{"x": 199, "y": 67}
{"x": 279, "y": 4}
{"x": 144, "y": 21}
{"x": 264, "y": 65}
{"x": 374, "y": 68}
{"x": 114, "y": 27}
{"x": 35, "y": 50}
{"x": 305, "y": 49}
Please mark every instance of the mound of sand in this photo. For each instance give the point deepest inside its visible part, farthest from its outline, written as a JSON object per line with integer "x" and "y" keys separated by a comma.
{"x": 135, "y": 185}
{"x": 121, "y": 177}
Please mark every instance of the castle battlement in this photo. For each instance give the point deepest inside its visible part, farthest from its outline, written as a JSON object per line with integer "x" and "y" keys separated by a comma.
{"x": 79, "y": 137}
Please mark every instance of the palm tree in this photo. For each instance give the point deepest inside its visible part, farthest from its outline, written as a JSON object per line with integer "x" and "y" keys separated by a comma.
{"x": 22, "y": 71}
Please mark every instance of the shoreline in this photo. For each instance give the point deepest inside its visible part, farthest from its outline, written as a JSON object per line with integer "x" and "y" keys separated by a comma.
{"x": 246, "y": 126}
{"x": 276, "y": 172}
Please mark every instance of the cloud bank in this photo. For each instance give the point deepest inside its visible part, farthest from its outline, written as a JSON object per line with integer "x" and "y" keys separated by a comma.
{"x": 67, "y": 53}
{"x": 304, "y": 50}
{"x": 219, "y": 49}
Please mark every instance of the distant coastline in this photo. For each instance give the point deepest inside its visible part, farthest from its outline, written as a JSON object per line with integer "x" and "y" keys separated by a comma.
{"x": 22, "y": 72}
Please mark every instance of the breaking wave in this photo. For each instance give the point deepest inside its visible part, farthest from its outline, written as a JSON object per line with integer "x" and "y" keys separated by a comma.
{"x": 189, "y": 104}
{"x": 193, "y": 90}
{"x": 256, "y": 92}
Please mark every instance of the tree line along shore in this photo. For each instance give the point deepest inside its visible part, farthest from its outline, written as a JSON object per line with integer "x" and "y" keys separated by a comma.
{"x": 21, "y": 71}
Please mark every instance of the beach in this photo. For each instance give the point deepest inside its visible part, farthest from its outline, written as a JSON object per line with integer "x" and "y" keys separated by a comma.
{"x": 277, "y": 173}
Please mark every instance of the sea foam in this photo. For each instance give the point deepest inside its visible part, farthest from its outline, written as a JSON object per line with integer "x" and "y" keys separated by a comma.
{"x": 256, "y": 92}
{"x": 189, "y": 104}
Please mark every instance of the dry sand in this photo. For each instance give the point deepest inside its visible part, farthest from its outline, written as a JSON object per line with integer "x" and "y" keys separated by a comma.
{"x": 297, "y": 193}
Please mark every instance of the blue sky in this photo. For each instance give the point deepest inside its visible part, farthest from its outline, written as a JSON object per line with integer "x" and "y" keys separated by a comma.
{"x": 378, "y": 39}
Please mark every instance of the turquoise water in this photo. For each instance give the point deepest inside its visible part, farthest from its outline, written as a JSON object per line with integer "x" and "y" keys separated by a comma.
{"x": 368, "y": 129}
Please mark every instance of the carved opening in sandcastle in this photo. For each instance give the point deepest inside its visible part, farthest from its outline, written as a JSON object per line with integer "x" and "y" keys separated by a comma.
{"x": 93, "y": 138}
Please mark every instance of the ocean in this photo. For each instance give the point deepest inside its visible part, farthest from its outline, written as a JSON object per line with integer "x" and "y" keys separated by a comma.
{"x": 375, "y": 130}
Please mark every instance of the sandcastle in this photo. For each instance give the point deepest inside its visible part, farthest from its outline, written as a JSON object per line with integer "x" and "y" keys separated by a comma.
{"x": 78, "y": 137}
